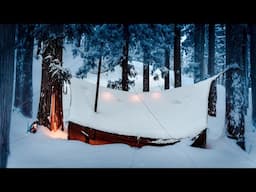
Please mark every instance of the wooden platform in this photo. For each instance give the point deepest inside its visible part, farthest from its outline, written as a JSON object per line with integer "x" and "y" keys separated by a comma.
{"x": 97, "y": 137}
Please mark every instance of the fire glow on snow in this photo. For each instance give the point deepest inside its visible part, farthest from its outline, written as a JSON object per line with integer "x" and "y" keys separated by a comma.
{"x": 149, "y": 114}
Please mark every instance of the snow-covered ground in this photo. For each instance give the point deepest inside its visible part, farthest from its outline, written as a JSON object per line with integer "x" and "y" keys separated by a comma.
{"x": 47, "y": 149}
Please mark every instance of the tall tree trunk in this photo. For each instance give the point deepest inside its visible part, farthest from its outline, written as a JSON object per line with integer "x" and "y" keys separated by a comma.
{"x": 53, "y": 48}
{"x": 245, "y": 71}
{"x": 19, "y": 67}
{"x": 253, "y": 70}
{"x": 125, "y": 58}
{"x": 58, "y": 88}
{"x": 23, "y": 84}
{"x": 212, "y": 99}
{"x": 177, "y": 61}
{"x": 167, "y": 65}
{"x": 211, "y": 71}
{"x": 7, "y": 44}
{"x": 199, "y": 52}
{"x": 235, "y": 84}
{"x": 146, "y": 70}
{"x": 220, "y": 56}
{"x": 43, "y": 114}
{"x": 211, "y": 50}
{"x": 27, "y": 91}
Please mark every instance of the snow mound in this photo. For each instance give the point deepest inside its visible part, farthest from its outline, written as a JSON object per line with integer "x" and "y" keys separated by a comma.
{"x": 172, "y": 114}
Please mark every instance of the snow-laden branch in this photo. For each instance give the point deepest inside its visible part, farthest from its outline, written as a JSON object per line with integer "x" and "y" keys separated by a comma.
{"x": 59, "y": 73}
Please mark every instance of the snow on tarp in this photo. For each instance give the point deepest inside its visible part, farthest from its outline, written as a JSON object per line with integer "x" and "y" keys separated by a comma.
{"x": 172, "y": 114}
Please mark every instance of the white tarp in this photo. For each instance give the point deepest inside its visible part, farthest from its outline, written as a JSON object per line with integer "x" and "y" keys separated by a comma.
{"x": 172, "y": 114}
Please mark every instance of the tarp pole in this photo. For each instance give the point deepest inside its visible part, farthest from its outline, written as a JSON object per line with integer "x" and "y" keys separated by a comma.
{"x": 97, "y": 86}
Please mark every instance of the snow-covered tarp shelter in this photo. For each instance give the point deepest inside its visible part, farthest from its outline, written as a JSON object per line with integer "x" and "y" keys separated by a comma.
{"x": 138, "y": 119}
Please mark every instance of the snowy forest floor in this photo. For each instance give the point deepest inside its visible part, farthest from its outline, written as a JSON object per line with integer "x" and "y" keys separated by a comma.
{"x": 47, "y": 149}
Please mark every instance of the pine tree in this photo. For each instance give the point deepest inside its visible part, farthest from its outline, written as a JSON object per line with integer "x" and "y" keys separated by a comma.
{"x": 146, "y": 63}
{"x": 220, "y": 56}
{"x": 7, "y": 46}
{"x": 167, "y": 65}
{"x": 146, "y": 37}
{"x": 199, "y": 52}
{"x": 211, "y": 70}
{"x": 187, "y": 49}
{"x": 253, "y": 70}
{"x": 117, "y": 43}
{"x": 112, "y": 36}
{"x": 24, "y": 61}
{"x": 177, "y": 59}
{"x": 235, "y": 84}
{"x": 125, "y": 57}
{"x": 162, "y": 46}
{"x": 246, "y": 68}
{"x": 75, "y": 32}
{"x": 19, "y": 65}
{"x": 211, "y": 50}
{"x": 52, "y": 38}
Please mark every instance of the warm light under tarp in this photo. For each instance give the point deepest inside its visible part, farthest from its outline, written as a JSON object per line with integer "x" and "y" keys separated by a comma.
{"x": 156, "y": 95}
{"x": 164, "y": 115}
{"x": 107, "y": 96}
{"x": 134, "y": 98}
